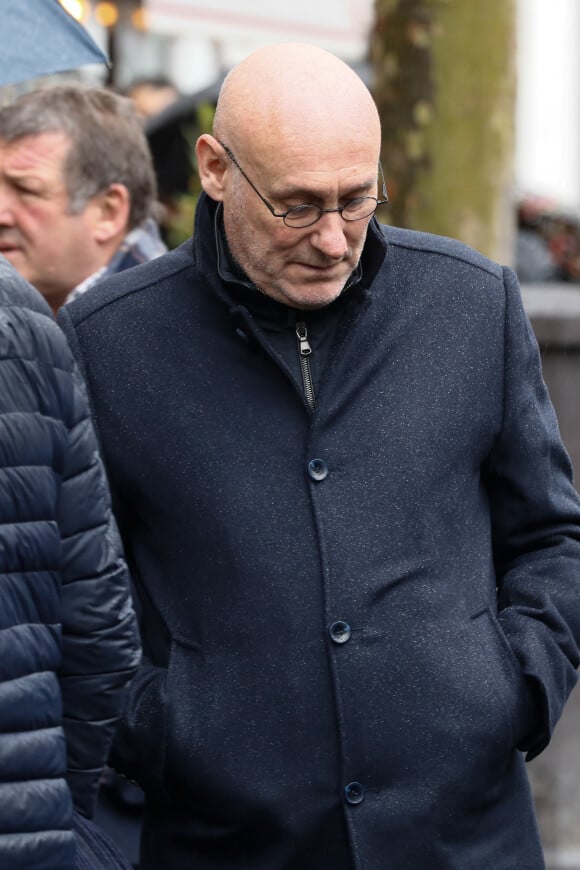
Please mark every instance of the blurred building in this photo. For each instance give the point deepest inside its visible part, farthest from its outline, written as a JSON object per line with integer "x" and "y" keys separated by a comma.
{"x": 193, "y": 41}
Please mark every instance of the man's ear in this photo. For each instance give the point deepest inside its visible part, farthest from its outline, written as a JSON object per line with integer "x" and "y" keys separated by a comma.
{"x": 211, "y": 166}
{"x": 111, "y": 216}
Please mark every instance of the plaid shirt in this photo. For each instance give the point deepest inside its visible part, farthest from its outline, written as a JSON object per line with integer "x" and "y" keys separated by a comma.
{"x": 140, "y": 245}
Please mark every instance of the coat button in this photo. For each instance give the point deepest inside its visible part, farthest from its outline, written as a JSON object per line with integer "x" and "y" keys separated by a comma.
{"x": 339, "y": 631}
{"x": 317, "y": 469}
{"x": 354, "y": 793}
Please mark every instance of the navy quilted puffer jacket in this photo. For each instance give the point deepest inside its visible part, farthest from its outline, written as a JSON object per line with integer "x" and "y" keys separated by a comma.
{"x": 68, "y": 640}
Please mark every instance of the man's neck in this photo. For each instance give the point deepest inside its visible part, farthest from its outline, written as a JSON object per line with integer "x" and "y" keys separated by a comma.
{"x": 56, "y": 299}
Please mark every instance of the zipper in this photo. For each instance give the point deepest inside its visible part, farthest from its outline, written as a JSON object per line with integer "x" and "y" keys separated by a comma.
{"x": 304, "y": 352}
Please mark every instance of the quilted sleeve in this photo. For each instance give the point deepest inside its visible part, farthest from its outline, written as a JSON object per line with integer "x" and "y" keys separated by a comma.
{"x": 100, "y": 647}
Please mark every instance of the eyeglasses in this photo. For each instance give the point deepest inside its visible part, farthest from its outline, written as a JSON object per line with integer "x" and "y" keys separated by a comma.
{"x": 301, "y": 216}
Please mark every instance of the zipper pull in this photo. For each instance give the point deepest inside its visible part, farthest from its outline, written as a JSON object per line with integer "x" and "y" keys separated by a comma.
{"x": 304, "y": 351}
{"x": 302, "y": 335}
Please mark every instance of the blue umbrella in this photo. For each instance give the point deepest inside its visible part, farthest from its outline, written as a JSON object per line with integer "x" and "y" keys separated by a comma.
{"x": 38, "y": 38}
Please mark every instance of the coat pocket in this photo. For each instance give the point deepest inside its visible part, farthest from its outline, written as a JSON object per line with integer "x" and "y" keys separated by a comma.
{"x": 504, "y": 673}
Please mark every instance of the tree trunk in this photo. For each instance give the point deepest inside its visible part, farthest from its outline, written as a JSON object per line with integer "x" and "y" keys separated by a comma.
{"x": 444, "y": 73}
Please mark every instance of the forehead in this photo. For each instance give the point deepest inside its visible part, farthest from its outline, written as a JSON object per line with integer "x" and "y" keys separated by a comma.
{"x": 41, "y": 154}
{"x": 315, "y": 151}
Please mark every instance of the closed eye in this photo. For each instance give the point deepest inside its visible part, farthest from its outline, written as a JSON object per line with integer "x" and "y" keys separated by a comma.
{"x": 353, "y": 204}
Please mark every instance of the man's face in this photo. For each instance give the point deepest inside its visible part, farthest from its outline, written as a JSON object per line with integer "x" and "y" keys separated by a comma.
{"x": 49, "y": 246}
{"x": 303, "y": 268}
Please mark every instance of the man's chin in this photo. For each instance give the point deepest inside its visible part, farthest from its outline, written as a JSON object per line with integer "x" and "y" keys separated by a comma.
{"x": 310, "y": 296}
{"x": 10, "y": 254}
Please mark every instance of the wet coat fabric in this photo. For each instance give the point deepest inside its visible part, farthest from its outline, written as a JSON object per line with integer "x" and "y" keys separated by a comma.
{"x": 68, "y": 640}
{"x": 355, "y": 618}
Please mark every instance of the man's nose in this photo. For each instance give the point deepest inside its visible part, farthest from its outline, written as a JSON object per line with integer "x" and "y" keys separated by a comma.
{"x": 6, "y": 212}
{"x": 328, "y": 235}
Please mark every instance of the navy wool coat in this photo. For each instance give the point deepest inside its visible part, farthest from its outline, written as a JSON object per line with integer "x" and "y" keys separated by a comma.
{"x": 356, "y": 619}
{"x": 68, "y": 640}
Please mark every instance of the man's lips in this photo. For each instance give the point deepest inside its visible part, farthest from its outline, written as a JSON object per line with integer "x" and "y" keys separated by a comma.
{"x": 327, "y": 267}
{"x": 8, "y": 247}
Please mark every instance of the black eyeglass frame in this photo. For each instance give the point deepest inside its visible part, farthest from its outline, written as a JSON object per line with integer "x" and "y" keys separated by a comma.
{"x": 339, "y": 209}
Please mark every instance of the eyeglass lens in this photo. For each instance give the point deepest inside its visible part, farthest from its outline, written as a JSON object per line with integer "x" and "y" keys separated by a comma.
{"x": 356, "y": 209}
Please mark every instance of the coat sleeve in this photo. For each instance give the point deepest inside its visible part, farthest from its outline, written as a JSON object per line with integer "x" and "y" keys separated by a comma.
{"x": 100, "y": 647}
{"x": 535, "y": 514}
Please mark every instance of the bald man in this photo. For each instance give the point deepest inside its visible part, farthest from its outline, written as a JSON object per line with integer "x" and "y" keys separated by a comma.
{"x": 349, "y": 514}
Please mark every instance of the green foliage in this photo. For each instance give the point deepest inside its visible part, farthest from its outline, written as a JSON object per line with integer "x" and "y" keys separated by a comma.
{"x": 179, "y": 224}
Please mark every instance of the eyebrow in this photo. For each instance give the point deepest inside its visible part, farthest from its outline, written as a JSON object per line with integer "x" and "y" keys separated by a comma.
{"x": 18, "y": 175}
{"x": 308, "y": 195}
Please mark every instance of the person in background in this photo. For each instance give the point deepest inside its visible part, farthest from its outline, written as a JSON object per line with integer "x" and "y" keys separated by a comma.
{"x": 151, "y": 95}
{"x": 68, "y": 635}
{"x": 346, "y": 505}
{"x": 78, "y": 200}
{"x": 77, "y": 189}
{"x": 534, "y": 259}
